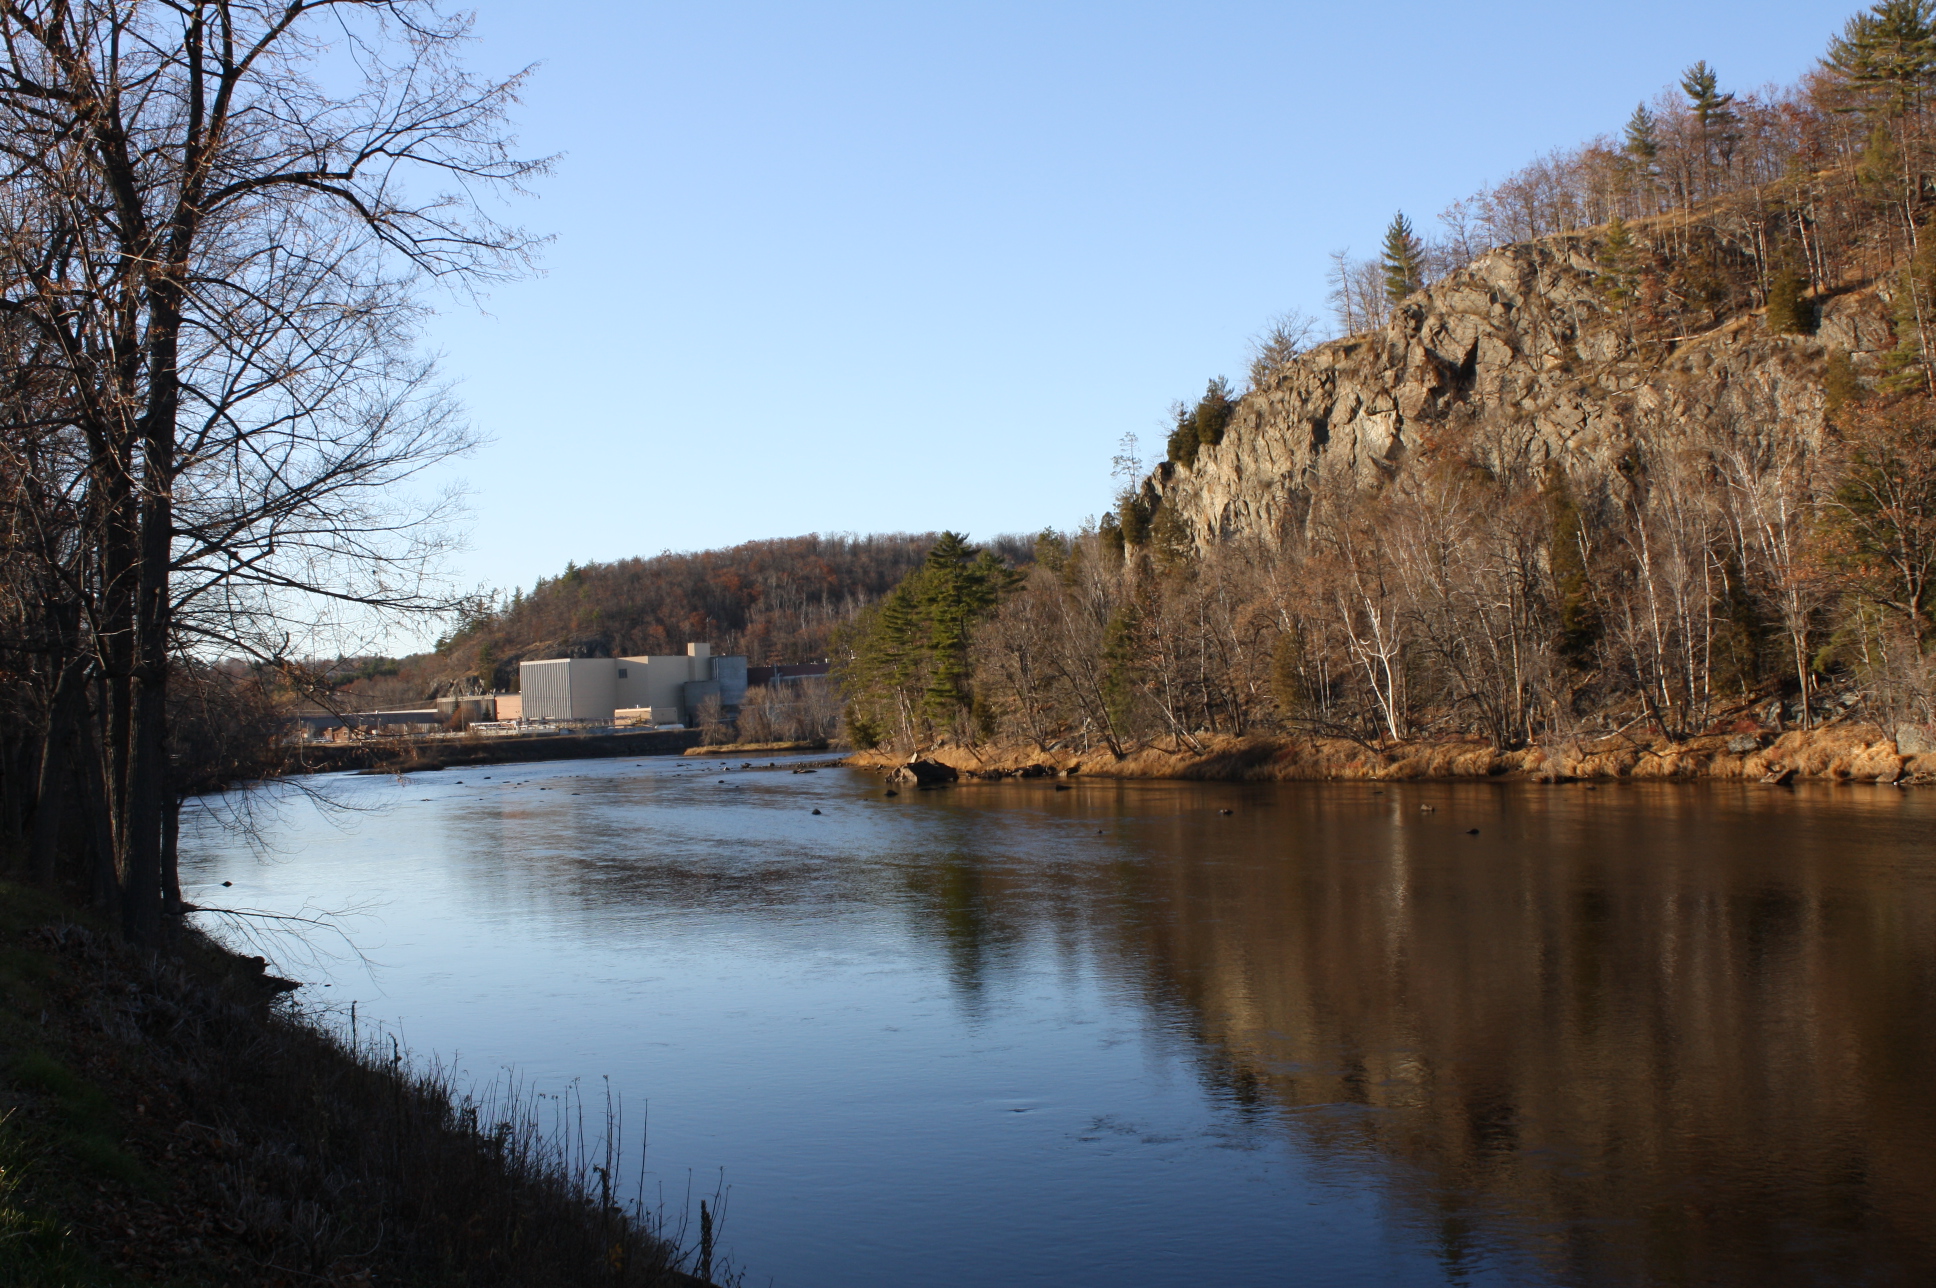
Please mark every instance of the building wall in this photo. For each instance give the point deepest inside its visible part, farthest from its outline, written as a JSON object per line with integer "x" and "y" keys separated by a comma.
{"x": 575, "y": 688}
{"x": 594, "y": 688}
{"x": 649, "y": 681}
{"x": 695, "y": 694}
{"x": 731, "y": 674}
{"x": 659, "y": 680}
{"x": 546, "y": 689}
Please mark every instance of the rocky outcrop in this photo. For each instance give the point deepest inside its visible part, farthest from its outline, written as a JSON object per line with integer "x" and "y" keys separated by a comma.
{"x": 921, "y": 771}
{"x": 1522, "y": 360}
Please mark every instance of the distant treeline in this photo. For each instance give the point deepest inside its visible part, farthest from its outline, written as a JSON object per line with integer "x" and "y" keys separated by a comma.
{"x": 774, "y": 602}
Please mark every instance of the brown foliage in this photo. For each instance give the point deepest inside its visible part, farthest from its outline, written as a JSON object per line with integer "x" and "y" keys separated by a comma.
{"x": 777, "y": 601}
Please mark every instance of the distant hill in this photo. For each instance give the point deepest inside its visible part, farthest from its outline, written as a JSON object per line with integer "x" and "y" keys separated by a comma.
{"x": 776, "y": 601}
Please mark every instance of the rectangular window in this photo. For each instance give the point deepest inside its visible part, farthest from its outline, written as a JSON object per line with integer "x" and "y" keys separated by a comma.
{"x": 621, "y": 673}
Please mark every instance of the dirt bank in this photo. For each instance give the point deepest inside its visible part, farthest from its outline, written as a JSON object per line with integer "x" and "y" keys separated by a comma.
{"x": 418, "y": 754}
{"x": 1848, "y": 752}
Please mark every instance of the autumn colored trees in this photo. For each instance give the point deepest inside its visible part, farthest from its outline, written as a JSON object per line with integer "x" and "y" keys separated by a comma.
{"x": 1729, "y": 571}
{"x": 777, "y": 600}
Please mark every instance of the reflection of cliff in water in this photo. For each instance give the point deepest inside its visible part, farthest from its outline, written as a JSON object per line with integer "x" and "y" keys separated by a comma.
{"x": 1644, "y": 1036}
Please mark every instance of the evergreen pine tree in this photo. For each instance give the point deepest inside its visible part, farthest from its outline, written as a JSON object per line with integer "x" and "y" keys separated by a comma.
{"x": 1887, "y": 56}
{"x": 1135, "y": 520}
{"x": 1619, "y": 265}
{"x": 895, "y": 640}
{"x": 1109, "y": 534}
{"x": 1879, "y": 169}
{"x": 1642, "y": 140}
{"x": 1119, "y": 665}
{"x": 1403, "y": 259}
{"x": 1713, "y": 111}
{"x": 909, "y": 655}
{"x": 960, "y": 584}
{"x": 1906, "y": 367}
{"x": 1213, "y": 412}
{"x": 1840, "y": 385}
{"x": 1703, "y": 89}
{"x": 1170, "y": 539}
{"x": 1578, "y": 622}
{"x": 1051, "y": 550}
{"x": 1788, "y": 310}
{"x": 1287, "y": 674}
{"x": 864, "y": 729}
{"x": 1184, "y": 439}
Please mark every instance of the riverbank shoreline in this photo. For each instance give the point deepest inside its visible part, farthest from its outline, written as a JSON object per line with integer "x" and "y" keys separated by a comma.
{"x": 1842, "y": 752}
{"x": 730, "y": 749}
{"x": 414, "y": 755}
{"x": 173, "y": 1118}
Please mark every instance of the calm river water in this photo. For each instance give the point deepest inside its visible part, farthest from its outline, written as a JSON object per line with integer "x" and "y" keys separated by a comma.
{"x": 1114, "y": 1035}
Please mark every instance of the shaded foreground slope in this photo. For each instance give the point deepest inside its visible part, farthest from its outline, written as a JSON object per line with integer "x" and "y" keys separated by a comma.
{"x": 172, "y": 1121}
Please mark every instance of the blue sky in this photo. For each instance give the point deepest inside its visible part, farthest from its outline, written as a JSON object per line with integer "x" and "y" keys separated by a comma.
{"x": 873, "y": 267}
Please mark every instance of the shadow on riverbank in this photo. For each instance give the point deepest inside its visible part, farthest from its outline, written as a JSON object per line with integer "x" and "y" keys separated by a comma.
{"x": 392, "y": 755}
{"x": 175, "y": 1119}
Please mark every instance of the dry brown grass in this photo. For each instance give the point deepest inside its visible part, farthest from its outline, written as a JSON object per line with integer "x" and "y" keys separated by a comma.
{"x": 1850, "y": 752}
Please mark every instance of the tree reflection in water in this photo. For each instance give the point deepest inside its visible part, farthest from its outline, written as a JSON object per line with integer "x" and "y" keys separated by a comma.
{"x": 1634, "y": 1034}
{"x": 1647, "y": 1034}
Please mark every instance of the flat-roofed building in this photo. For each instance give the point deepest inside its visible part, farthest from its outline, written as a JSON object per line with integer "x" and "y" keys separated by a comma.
{"x": 568, "y": 688}
{"x": 657, "y": 689}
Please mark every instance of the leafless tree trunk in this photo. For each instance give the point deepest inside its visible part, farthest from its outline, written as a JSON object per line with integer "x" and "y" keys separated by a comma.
{"x": 220, "y": 253}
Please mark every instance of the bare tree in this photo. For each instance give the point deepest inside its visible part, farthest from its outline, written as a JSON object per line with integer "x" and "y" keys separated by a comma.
{"x": 1360, "y": 584}
{"x": 218, "y": 243}
{"x": 1285, "y": 337}
{"x": 1774, "y": 512}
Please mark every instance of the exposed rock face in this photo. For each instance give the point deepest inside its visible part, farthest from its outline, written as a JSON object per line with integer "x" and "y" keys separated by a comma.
{"x": 1522, "y": 358}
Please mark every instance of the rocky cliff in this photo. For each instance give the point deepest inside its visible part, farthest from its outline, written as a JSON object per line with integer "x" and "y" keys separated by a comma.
{"x": 1524, "y": 359}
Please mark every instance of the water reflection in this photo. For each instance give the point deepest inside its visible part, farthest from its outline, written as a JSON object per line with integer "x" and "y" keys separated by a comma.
{"x": 1653, "y": 1035}
{"x": 1646, "y": 1034}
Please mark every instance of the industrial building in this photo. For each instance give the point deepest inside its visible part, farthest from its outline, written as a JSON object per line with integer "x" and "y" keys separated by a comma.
{"x": 657, "y": 690}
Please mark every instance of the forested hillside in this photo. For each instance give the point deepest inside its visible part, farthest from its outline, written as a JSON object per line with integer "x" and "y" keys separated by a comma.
{"x": 773, "y": 601}
{"x": 1664, "y": 461}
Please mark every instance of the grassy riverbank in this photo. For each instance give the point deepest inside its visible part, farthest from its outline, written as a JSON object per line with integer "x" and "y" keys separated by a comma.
{"x": 173, "y": 1120}
{"x": 1844, "y": 752}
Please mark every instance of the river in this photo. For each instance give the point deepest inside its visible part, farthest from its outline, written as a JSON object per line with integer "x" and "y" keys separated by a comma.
{"x": 1124, "y": 1034}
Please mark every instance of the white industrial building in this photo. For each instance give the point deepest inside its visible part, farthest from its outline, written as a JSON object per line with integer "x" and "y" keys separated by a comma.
{"x": 656, "y": 690}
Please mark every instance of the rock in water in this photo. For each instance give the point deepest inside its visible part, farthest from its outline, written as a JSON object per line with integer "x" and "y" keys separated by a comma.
{"x": 924, "y": 773}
